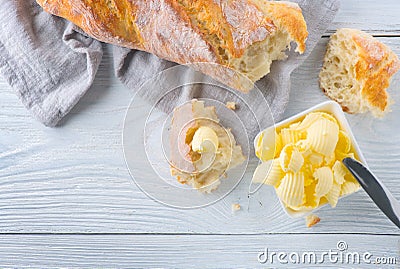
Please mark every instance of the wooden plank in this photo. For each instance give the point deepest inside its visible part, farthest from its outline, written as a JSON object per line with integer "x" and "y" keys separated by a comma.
{"x": 193, "y": 251}
{"x": 73, "y": 178}
{"x": 379, "y": 18}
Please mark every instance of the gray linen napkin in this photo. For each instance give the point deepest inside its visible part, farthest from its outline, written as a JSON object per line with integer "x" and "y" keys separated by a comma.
{"x": 47, "y": 62}
{"x": 51, "y": 63}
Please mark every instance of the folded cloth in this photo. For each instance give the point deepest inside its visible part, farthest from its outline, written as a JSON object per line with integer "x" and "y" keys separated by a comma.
{"x": 51, "y": 63}
{"x": 44, "y": 58}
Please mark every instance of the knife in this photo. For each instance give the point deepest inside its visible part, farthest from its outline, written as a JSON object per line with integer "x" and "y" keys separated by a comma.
{"x": 382, "y": 197}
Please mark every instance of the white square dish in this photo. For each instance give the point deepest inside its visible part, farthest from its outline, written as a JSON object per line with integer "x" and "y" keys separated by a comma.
{"x": 334, "y": 109}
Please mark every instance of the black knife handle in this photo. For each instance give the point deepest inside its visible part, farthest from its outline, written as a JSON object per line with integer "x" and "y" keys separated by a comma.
{"x": 382, "y": 197}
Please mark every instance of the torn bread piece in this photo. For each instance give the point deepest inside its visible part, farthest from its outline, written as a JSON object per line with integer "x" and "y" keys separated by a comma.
{"x": 356, "y": 72}
{"x": 202, "y": 151}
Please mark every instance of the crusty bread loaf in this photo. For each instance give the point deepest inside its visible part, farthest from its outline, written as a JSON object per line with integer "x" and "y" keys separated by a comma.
{"x": 356, "y": 72}
{"x": 244, "y": 35}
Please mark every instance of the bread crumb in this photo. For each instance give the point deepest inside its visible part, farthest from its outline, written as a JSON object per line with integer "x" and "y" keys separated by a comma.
{"x": 311, "y": 220}
{"x": 231, "y": 105}
{"x": 235, "y": 207}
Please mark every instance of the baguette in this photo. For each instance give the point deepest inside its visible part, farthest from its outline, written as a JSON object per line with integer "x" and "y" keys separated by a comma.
{"x": 356, "y": 72}
{"x": 245, "y": 36}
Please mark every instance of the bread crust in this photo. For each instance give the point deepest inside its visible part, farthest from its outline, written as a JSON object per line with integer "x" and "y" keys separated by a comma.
{"x": 376, "y": 65}
{"x": 289, "y": 16}
{"x": 211, "y": 31}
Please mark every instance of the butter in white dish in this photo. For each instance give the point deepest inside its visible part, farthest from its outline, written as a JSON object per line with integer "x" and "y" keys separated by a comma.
{"x": 301, "y": 158}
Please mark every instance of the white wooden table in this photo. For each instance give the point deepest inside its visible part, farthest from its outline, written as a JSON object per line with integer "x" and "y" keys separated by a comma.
{"x": 67, "y": 200}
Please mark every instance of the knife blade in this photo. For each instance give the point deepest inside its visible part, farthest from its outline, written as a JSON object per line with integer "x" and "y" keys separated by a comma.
{"x": 382, "y": 197}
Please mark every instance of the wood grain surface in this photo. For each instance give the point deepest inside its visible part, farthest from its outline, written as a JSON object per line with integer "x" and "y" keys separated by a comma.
{"x": 67, "y": 199}
{"x": 74, "y": 179}
{"x": 191, "y": 251}
{"x": 376, "y": 17}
